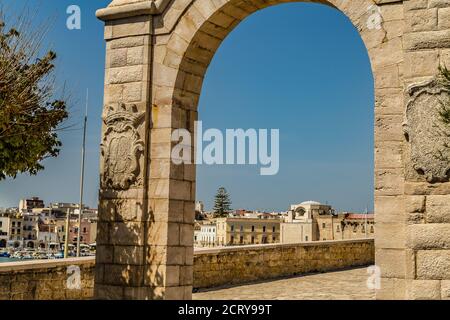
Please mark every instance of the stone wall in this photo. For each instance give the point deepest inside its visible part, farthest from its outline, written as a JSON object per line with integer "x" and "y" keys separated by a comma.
{"x": 237, "y": 265}
{"x": 44, "y": 280}
{"x": 47, "y": 279}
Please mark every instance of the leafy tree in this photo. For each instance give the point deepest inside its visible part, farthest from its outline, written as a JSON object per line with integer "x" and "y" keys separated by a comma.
{"x": 222, "y": 203}
{"x": 445, "y": 79}
{"x": 29, "y": 116}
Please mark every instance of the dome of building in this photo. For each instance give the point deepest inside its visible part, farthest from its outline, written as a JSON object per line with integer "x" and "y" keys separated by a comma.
{"x": 310, "y": 203}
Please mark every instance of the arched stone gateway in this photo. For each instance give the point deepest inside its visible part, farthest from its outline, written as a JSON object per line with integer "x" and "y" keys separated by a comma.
{"x": 157, "y": 54}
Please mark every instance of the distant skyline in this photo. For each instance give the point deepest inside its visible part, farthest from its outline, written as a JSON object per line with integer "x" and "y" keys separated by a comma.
{"x": 308, "y": 74}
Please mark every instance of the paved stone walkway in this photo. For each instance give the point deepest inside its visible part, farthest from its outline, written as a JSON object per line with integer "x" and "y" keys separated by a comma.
{"x": 338, "y": 285}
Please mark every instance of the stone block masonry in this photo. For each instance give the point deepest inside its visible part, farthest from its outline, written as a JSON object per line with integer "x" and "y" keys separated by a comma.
{"x": 238, "y": 265}
{"x": 157, "y": 54}
{"x": 49, "y": 280}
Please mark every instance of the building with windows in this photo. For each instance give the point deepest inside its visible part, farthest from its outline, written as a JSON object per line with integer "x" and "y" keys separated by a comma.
{"x": 349, "y": 225}
{"x": 206, "y": 235}
{"x": 245, "y": 231}
{"x": 301, "y": 224}
{"x": 85, "y": 235}
{"x": 4, "y": 229}
{"x": 313, "y": 221}
{"x": 15, "y": 227}
{"x": 27, "y": 205}
{"x": 30, "y": 229}
{"x": 47, "y": 236}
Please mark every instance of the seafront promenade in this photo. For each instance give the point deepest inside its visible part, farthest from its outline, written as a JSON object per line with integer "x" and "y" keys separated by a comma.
{"x": 339, "y": 285}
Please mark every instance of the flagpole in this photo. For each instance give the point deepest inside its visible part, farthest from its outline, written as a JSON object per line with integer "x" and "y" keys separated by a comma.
{"x": 83, "y": 153}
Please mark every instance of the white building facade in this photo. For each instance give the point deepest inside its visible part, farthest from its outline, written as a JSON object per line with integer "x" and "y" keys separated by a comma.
{"x": 206, "y": 236}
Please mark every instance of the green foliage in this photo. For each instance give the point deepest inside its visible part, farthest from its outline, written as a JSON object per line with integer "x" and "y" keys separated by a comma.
{"x": 444, "y": 113}
{"x": 222, "y": 203}
{"x": 29, "y": 116}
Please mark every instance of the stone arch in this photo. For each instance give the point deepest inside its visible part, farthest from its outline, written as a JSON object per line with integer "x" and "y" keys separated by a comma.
{"x": 205, "y": 24}
{"x": 156, "y": 55}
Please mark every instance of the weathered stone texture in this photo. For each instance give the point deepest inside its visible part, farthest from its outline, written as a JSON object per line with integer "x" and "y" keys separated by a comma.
{"x": 46, "y": 280}
{"x": 157, "y": 56}
{"x": 227, "y": 266}
{"x": 121, "y": 280}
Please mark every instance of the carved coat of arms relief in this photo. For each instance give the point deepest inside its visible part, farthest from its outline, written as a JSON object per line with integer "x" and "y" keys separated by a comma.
{"x": 427, "y": 135}
{"x": 121, "y": 148}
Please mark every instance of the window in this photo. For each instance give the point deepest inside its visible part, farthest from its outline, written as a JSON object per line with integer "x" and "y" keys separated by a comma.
{"x": 273, "y": 229}
{"x": 242, "y": 228}
{"x": 241, "y": 239}
{"x": 264, "y": 228}
{"x": 13, "y": 223}
{"x": 84, "y": 230}
{"x": 323, "y": 225}
{"x": 253, "y": 239}
{"x": 371, "y": 229}
{"x": 18, "y": 224}
{"x": 338, "y": 229}
{"x": 306, "y": 238}
{"x": 231, "y": 239}
{"x": 274, "y": 239}
{"x": 253, "y": 228}
{"x": 232, "y": 228}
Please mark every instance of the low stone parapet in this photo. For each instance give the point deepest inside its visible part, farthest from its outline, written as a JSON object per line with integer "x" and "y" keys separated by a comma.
{"x": 242, "y": 264}
{"x": 74, "y": 278}
{"x": 57, "y": 279}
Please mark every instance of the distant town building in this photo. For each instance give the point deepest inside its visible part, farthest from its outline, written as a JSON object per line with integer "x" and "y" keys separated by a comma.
{"x": 353, "y": 226}
{"x": 313, "y": 221}
{"x": 47, "y": 236}
{"x": 245, "y": 231}
{"x": 15, "y": 227}
{"x": 26, "y": 205}
{"x": 4, "y": 229}
{"x": 32, "y": 225}
{"x": 207, "y": 235}
{"x": 199, "y": 206}
{"x": 86, "y": 231}
{"x": 30, "y": 229}
{"x": 301, "y": 223}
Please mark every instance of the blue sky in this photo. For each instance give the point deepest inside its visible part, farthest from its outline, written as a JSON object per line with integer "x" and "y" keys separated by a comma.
{"x": 300, "y": 68}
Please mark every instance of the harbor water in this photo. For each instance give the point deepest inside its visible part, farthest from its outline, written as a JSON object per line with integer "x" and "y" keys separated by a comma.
{"x": 3, "y": 259}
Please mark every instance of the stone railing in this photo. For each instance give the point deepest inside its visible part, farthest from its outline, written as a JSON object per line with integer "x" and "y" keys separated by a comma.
{"x": 54, "y": 279}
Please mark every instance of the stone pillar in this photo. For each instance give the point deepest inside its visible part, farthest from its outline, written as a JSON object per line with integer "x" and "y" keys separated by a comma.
{"x": 143, "y": 250}
{"x": 427, "y": 168}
